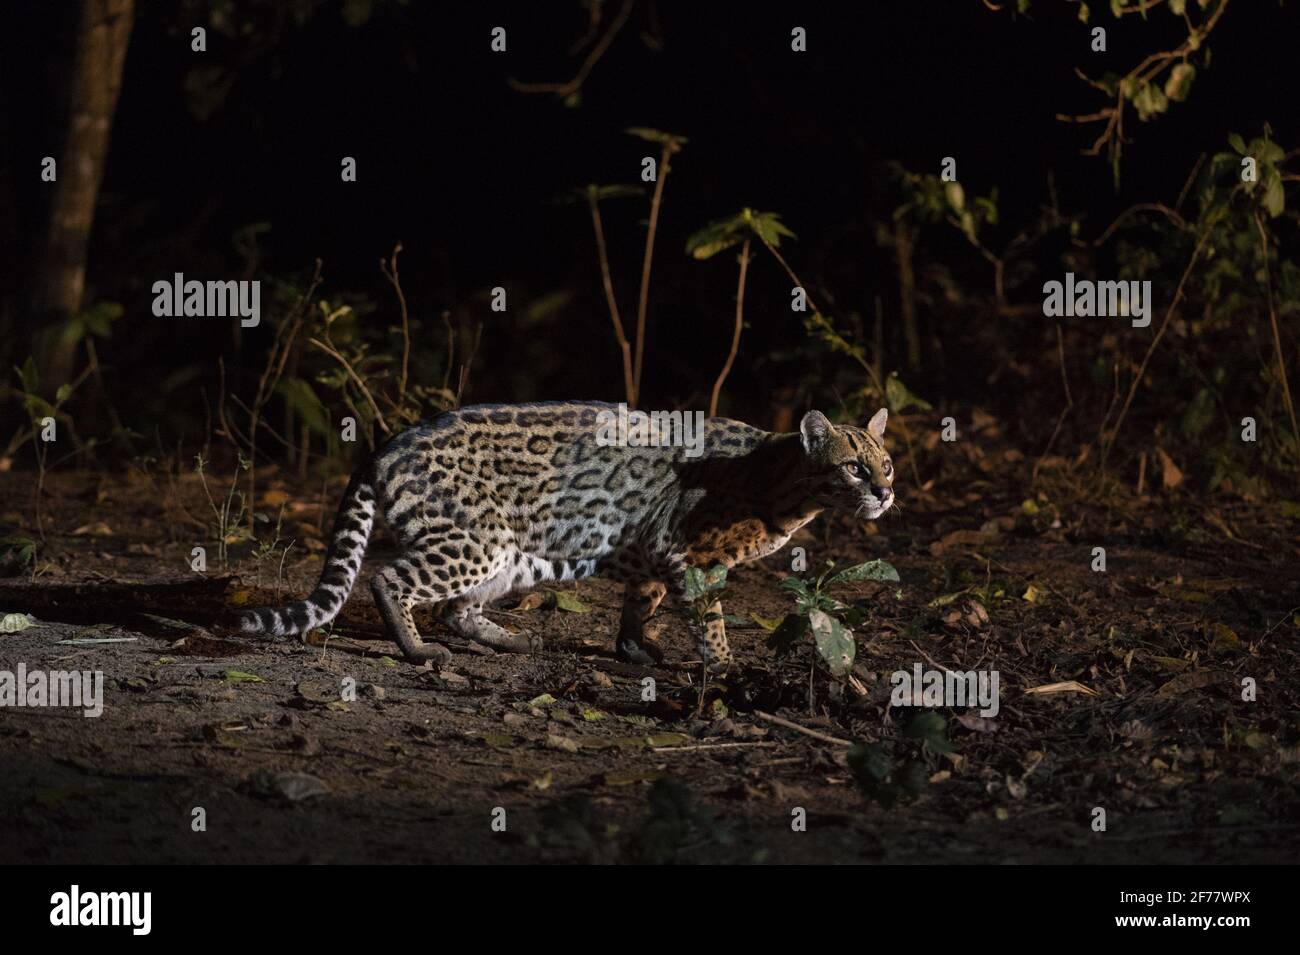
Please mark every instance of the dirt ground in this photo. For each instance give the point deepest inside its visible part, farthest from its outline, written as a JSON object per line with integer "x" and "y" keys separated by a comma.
{"x": 557, "y": 756}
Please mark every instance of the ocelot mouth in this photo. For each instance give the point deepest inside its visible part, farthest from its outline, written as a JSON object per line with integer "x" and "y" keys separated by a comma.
{"x": 871, "y": 508}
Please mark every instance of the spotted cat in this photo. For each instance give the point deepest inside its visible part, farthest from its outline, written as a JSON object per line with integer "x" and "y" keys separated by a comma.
{"x": 491, "y": 499}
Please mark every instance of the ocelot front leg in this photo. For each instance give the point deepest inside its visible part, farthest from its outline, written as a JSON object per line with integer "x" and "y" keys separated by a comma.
{"x": 640, "y": 599}
{"x": 711, "y": 638}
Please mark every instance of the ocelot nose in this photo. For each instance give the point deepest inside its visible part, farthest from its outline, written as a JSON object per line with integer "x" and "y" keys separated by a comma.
{"x": 883, "y": 493}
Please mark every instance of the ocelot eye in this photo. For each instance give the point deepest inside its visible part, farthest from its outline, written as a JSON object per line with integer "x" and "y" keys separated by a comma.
{"x": 887, "y": 468}
{"x": 858, "y": 469}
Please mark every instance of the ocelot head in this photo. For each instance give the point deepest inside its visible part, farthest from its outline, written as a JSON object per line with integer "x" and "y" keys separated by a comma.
{"x": 849, "y": 468}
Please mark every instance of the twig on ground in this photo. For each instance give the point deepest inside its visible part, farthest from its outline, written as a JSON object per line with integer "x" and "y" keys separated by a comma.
{"x": 781, "y": 721}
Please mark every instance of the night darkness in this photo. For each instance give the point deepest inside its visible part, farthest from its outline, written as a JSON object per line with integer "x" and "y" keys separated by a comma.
{"x": 467, "y": 173}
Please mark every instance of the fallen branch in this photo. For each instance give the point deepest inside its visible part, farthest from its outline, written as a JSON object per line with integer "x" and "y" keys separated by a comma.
{"x": 705, "y": 746}
{"x": 780, "y": 721}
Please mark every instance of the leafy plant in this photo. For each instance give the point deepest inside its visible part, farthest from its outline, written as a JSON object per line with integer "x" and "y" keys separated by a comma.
{"x": 887, "y": 776}
{"x": 826, "y": 619}
{"x": 39, "y": 411}
{"x": 704, "y": 589}
{"x": 17, "y": 555}
{"x": 672, "y": 823}
{"x": 1160, "y": 78}
{"x": 722, "y": 234}
{"x": 228, "y": 527}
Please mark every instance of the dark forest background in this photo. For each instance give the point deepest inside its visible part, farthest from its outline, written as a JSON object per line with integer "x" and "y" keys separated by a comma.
{"x": 226, "y": 164}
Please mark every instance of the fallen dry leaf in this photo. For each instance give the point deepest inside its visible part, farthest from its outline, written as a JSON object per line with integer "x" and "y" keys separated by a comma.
{"x": 97, "y": 529}
{"x": 1170, "y": 475}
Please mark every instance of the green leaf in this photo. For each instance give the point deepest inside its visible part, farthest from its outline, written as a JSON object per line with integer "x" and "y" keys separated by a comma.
{"x": 1237, "y": 143}
{"x": 28, "y": 375}
{"x": 1274, "y": 197}
{"x": 715, "y": 237}
{"x": 239, "y": 676}
{"x": 611, "y": 192}
{"x": 834, "y": 642}
{"x": 300, "y": 396}
{"x": 38, "y": 408}
{"x": 700, "y": 583}
{"x": 871, "y": 570}
{"x": 797, "y": 586}
{"x": 790, "y": 631}
{"x": 567, "y": 600}
{"x": 1199, "y": 414}
{"x": 550, "y": 304}
{"x": 1179, "y": 82}
{"x": 16, "y": 554}
{"x": 868, "y": 762}
{"x": 931, "y": 729}
{"x": 1266, "y": 151}
{"x": 769, "y": 227}
{"x": 1150, "y": 100}
{"x": 955, "y": 195}
{"x": 98, "y": 318}
{"x": 899, "y": 398}
{"x": 707, "y": 245}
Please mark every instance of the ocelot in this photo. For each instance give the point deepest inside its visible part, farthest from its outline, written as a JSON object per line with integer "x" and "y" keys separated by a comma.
{"x": 491, "y": 499}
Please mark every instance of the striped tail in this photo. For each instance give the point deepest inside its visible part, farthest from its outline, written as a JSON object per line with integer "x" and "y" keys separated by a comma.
{"x": 352, "y": 526}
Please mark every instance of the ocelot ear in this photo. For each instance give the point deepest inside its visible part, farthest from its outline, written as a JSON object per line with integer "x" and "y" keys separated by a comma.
{"x": 815, "y": 430}
{"x": 877, "y": 424}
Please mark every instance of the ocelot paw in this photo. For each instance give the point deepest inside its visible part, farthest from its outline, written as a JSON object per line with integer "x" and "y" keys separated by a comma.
{"x": 719, "y": 667}
{"x": 435, "y": 653}
{"x": 643, "y": 654}
{"x": 497, "y": 637}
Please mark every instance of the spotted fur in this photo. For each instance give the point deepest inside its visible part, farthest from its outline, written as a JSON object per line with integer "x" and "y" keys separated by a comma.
{"x": 488, "y": 500}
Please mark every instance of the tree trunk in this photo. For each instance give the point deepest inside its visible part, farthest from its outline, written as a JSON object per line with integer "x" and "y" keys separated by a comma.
{"x": 93, "y": 86}
{"x": 903, "y": 240}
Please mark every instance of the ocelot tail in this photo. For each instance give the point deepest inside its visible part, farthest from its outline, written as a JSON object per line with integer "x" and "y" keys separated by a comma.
{"x": 492, "y": 499}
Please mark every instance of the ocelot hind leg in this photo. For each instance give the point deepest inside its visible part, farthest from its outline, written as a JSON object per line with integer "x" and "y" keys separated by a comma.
{"x": 465, "y": 618}
{"x": 452, "y": 565}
